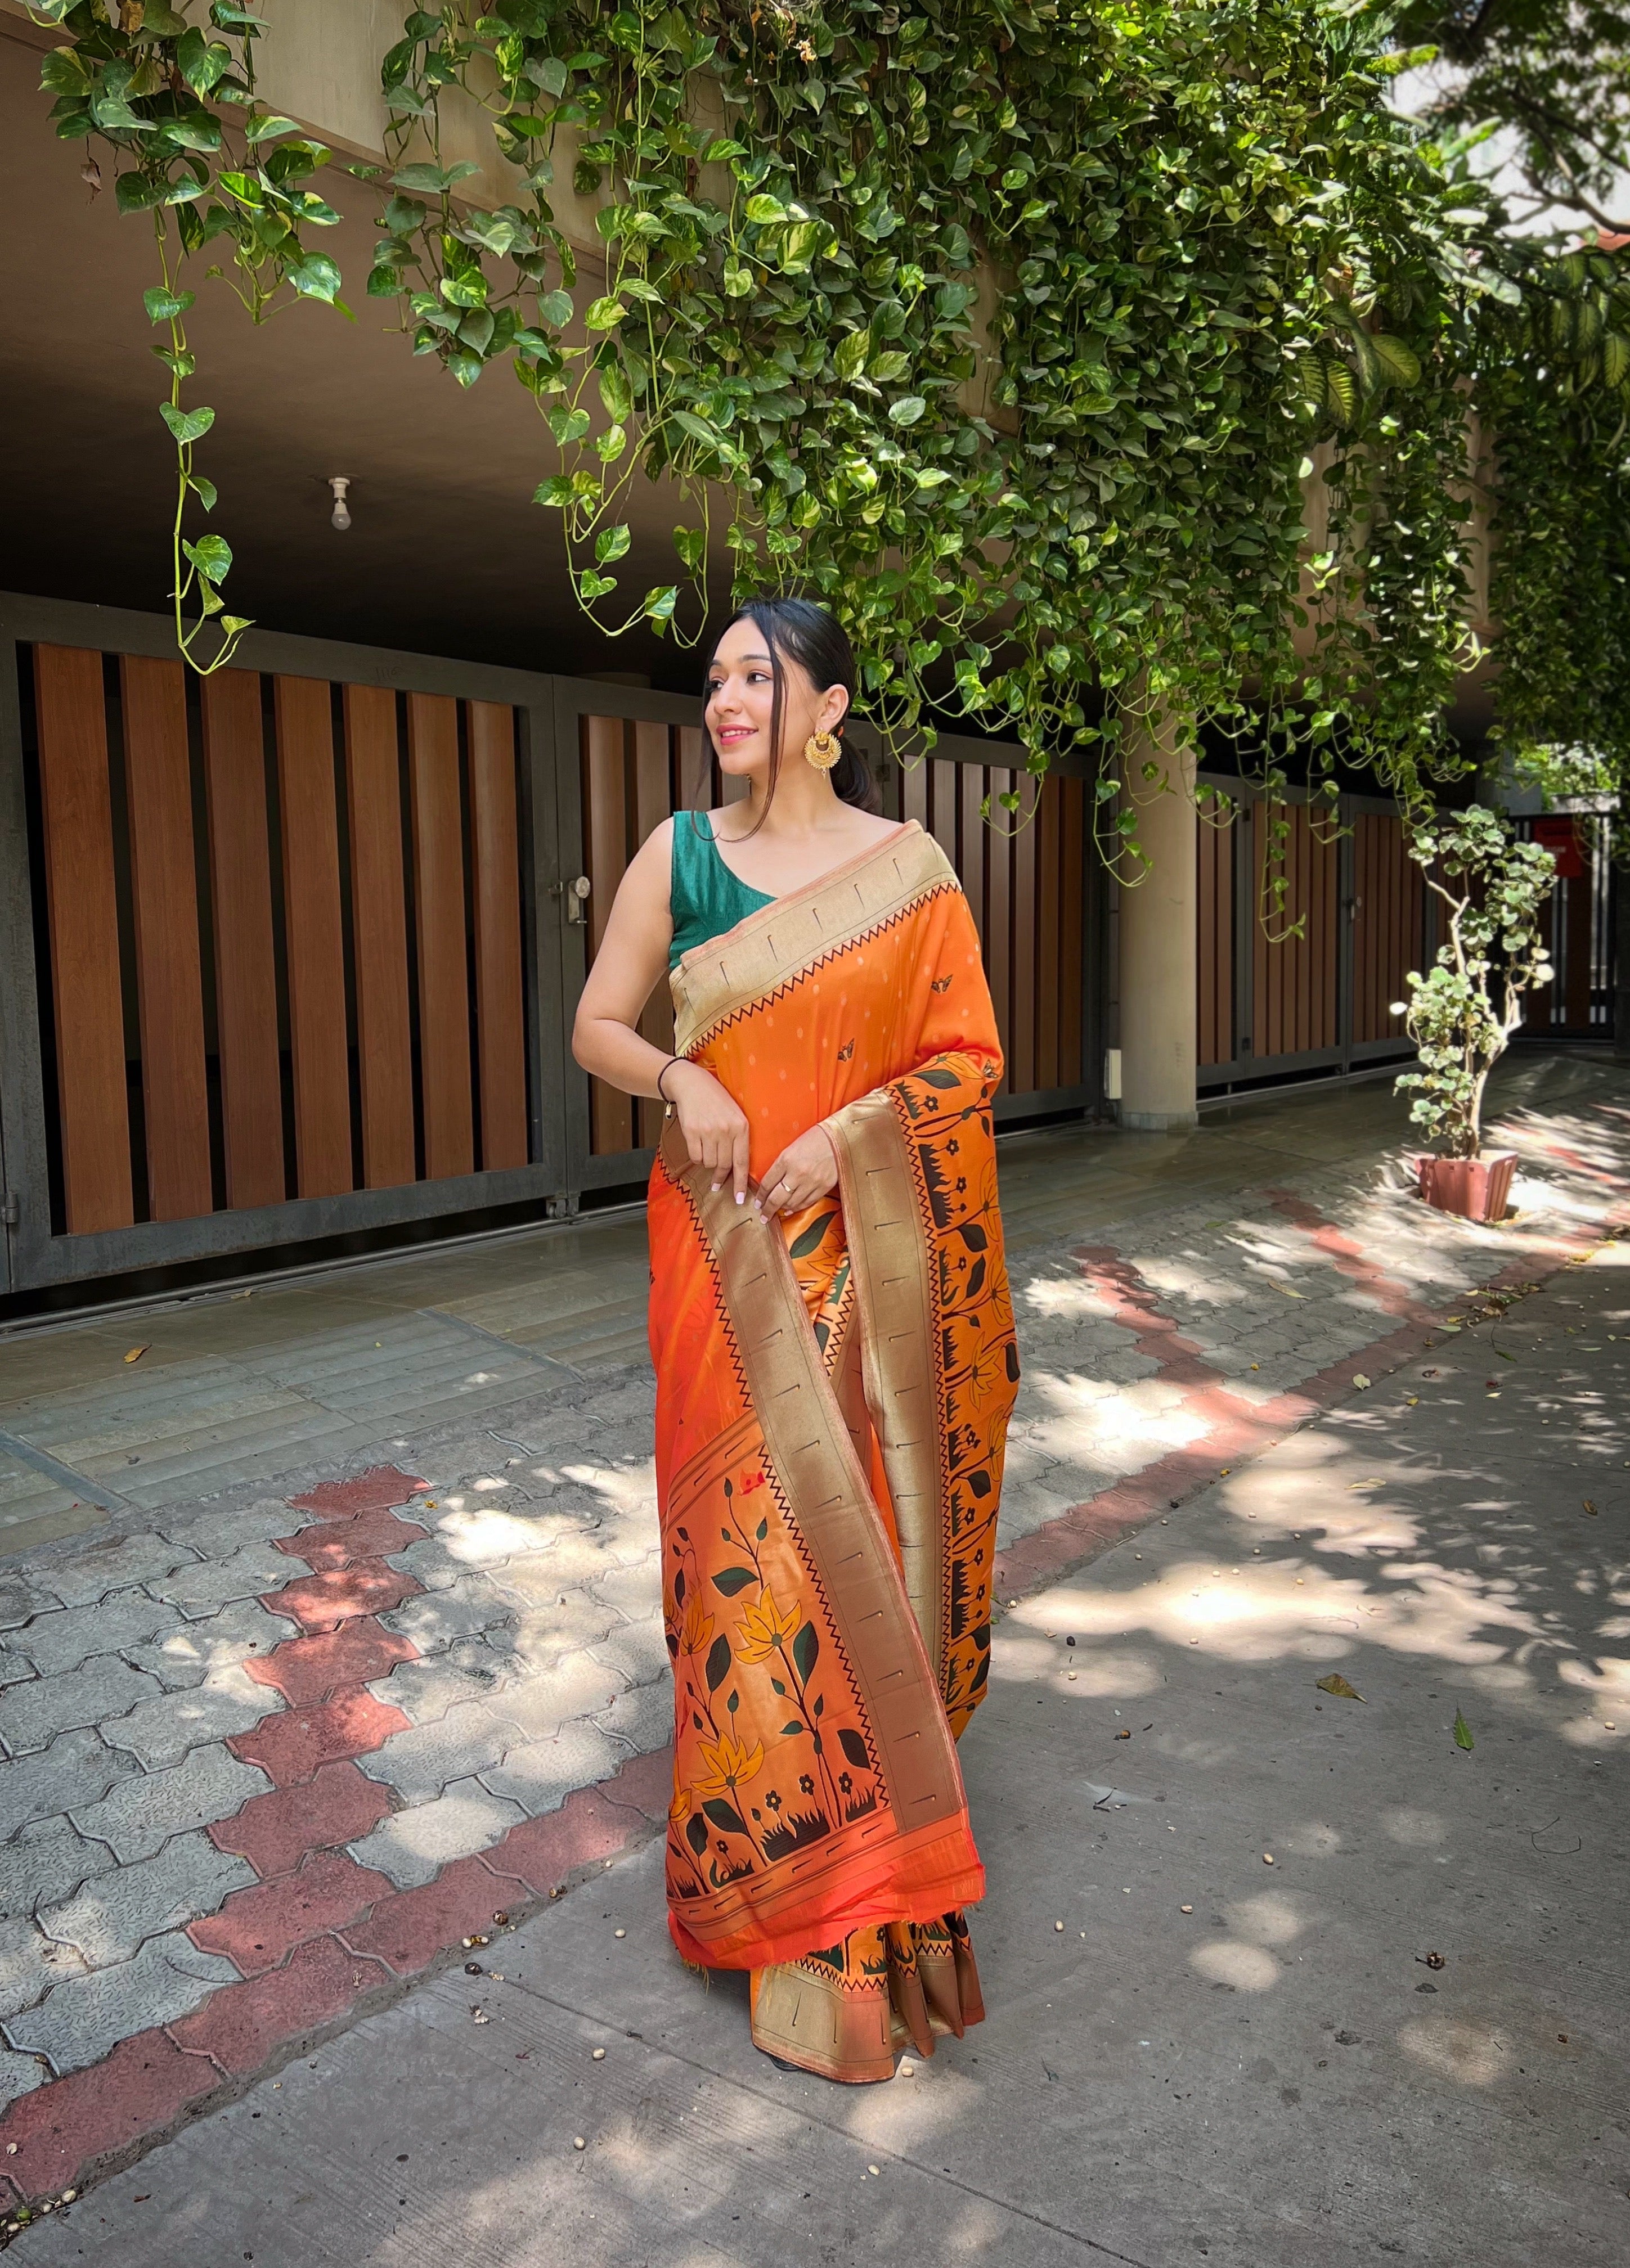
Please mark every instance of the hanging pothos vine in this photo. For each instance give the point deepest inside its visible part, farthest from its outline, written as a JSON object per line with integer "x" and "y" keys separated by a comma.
{"x": 193, "y": 146}
{"x": 1012, "y": 330}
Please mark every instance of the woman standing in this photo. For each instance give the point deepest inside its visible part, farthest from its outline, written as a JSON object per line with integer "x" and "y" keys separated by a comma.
{"x": 833, "y": 1341}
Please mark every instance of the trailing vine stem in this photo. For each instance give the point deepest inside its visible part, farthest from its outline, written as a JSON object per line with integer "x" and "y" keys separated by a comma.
{"x": 193, "y": 144}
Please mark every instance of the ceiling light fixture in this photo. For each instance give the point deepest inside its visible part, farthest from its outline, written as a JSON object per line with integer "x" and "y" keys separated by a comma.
{"x": 341, "y": 515}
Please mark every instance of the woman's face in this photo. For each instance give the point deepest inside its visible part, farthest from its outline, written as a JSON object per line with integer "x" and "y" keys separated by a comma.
{"x": 741, "y": 696}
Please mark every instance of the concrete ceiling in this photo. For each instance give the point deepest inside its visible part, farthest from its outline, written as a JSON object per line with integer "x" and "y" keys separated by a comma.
{"x": 446, "y": 553}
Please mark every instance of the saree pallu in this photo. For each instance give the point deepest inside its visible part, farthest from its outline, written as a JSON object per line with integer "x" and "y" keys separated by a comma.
{"x": 833, "y": 1392}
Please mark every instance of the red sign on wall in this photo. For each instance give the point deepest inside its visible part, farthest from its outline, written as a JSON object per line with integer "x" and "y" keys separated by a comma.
{"x": 1560, "y": 838}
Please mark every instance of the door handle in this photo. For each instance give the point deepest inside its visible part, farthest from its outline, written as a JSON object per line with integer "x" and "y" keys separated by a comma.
{"x": 576, "y": 895}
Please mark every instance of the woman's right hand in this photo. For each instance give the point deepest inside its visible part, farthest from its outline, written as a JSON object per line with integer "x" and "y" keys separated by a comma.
{"x": 713, "y": 1123}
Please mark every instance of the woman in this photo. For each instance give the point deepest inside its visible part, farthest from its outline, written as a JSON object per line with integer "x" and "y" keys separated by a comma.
{"x": 834, "y": 1349}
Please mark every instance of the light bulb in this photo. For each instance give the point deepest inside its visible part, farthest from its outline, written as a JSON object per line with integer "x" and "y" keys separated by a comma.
{"x": 340, "y": 516}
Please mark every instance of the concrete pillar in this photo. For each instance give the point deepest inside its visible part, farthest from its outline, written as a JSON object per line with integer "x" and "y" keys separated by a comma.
{"x": 1158, "y": 933}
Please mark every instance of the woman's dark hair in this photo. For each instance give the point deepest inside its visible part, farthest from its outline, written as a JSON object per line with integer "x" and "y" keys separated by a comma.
{"x": 798, "y": 631}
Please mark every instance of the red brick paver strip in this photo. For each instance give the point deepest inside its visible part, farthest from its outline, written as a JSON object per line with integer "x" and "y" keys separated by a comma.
{"x": 243, "y": 2026}
{"x": 381, "y": 1489}
{"x": 274, "y": 1832}
{"x": 334, "y": 1544}
{"x": 309, "y": 1669}
{"x": 256, "y": 1929}
{"x": 323, "y": 1602}
{"x": 296, "y": 1743}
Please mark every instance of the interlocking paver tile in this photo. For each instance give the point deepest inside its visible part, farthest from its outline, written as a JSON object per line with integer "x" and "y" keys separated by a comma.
{"x": 31, "y": 1962}
{"x": 62, "y": 1640}
{"x": 32, "y": 1715}
{"x": 186, "y": 1654}
{"x": 14, "y": 1669}
{"x": 292, "y": 1746}
{"x": 429, "y": 1563}
{"x": 255, "y": 1927}
{"x": 21, "y": 1598}
{"x": 643, "y": 1717}
{"x": 140, "y": 1815}
{"x": 217, "y": 1535}
{"x": 77, "y": 2022}
{"x": 634, "y": 1591}
{"x": 274, "y": 1832}
{"x": 470, "y": 1669}
{"x": 19, "y": 2074}
{"x": 327, "y": 1545}
{"x": 419, "y": 1763}
{"x": 411, "y": 1846}
{"x": 548, "y": 1623}
{"x": 115, "y": 1565}
{"x": 203, "y": 1589}
{"x": 111, "y": 1917}
{"x": 45, "y": 1861}
{"x": 306, "y": 1670}
{"x": 638, "y": 1652}
{"x": 161, "y": 1732}
{"x": 471, "y": 1604}
{"x": 542, "y": 1774}
{"x": 540, "y": 1702}
{"x": 76, "y": 1769}
{"x": 321, "y": 1602}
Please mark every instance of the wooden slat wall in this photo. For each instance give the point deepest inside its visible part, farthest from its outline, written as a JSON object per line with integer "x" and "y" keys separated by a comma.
{"x": 313, "y": 937}
{"x": 1388, "y": 932}
{"x": 164, "y": 906}
{"x": 1026, "y": 886}
{"x": 605, "y": 857}
{"x": 1296, "y": 1006}
{"x": 92, "y": 1098}
{"x": 246, "y": 973}
{"x": 379, "y": 937}
{"x": 1215, "y": 941}
{"x": 447, "y": 1097}
{"x": 500, "y": 1007}
{"x": 414, "y": 1047}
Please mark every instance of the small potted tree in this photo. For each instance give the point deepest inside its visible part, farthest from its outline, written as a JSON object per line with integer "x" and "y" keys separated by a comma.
{"x": 1462, "y": 1014}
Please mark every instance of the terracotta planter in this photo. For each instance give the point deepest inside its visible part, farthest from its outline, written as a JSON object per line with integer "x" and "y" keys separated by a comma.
{"x": 1477, "y": 1189}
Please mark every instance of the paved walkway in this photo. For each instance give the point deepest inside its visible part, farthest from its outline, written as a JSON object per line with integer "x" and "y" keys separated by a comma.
{"x": 274, "y": 1755}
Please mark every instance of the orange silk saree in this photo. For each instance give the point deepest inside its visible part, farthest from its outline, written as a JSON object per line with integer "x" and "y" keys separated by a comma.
{"x": 833, "y": 1392}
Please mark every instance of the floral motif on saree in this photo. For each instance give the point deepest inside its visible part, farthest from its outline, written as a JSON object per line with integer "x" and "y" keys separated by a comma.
{"x": 833, "y": 1395}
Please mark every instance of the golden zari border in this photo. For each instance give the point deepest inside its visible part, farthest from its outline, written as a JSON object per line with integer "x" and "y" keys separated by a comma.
{"x": 893, "y": 1272}
{"x": 814, "y": 1461}
{"x": 717, "y": 981}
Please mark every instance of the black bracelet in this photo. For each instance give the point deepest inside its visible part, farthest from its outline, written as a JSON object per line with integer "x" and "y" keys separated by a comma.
{"x": 662, "y": 1074}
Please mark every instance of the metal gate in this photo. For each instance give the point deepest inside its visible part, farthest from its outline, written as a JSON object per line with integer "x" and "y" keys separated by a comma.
{"x": 1579, "y": 1003}
{"x": 293, "y": 952}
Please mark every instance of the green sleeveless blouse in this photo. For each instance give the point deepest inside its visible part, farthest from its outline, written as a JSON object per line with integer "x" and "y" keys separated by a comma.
{"x": 705, "y": 897}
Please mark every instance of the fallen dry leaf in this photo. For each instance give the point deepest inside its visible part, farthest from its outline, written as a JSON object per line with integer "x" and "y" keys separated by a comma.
{"x": 136, "y": 1353}
{"x": 1286, "y": 1289}
{"x": 1336, "y": 1683}
{"x": 1589, "y": 1507}
{"x": 1360, "y": 1380}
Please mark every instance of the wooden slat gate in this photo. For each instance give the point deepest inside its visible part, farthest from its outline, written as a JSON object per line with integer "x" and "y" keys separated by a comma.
{"x": 1308, "y": 987}
{"x": 641, "y": 756}
{"x": 293, "y": 953}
